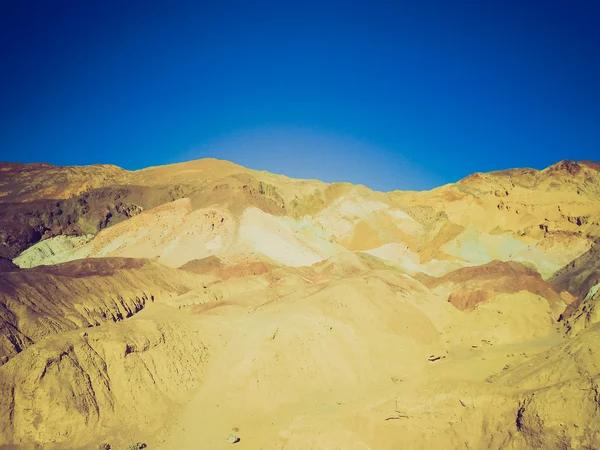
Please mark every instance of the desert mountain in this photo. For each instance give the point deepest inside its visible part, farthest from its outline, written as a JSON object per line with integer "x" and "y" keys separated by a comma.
{"x": 181, "y": 304}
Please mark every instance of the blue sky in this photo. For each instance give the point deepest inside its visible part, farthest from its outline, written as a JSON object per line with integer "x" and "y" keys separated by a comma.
{"x": 394, "y": 95}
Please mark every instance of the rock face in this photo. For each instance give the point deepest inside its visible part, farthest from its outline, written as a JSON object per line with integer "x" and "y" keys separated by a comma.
{"x": 24, "y": 224}
{"x": 570, "y": 371}
{"x": 170, "y": 304}
{"x": 97, "y": 380}
{"x": 470, "y": 286}
{"x": 581, "y": 274}
{"x": 546, "y": 218}
{"x": 50, "y": 251}
{"x": 6, "y": 265}
{"x": 51, "y": 300}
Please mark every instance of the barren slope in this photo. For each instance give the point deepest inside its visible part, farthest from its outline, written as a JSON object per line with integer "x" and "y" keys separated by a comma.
{"x": 177, "y": 305}
{"x": 40, "y": 302}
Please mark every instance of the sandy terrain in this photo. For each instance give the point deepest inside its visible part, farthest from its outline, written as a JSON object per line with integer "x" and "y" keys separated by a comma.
{"x": 230, "y": 307}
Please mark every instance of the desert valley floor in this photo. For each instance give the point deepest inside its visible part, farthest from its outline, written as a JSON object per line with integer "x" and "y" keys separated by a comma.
{"x": 204, "y": 305}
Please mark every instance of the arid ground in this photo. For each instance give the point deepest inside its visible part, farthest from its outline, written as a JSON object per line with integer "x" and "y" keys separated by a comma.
{"x": 194, "y": 305}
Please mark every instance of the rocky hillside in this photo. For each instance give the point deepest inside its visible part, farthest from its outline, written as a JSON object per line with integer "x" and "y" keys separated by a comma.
{"x": 182, "y": 304}
{"x": 546, "y": 218}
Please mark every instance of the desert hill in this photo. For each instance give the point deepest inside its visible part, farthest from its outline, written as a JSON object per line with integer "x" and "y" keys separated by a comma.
{"x": 179, "y": 304}
{"x": 544, "y": 217}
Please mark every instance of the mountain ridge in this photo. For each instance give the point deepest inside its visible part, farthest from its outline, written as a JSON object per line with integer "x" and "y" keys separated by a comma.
{"x": 297, "y": 313}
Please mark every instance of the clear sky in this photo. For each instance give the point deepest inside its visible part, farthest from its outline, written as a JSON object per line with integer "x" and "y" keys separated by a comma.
{"x": 394, "y": 95}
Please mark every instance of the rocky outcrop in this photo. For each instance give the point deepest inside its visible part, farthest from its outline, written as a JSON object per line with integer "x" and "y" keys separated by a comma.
{"x": 470, "y": 286}
{"x": 26, "y": 223}
{"x": 300, "y": 314}
{"x": 75, "y": 386}
{"x": 6, "y": 265}
{"x": 50, "y": 251}
{"x": 560, "y": 406}
{"x": 581, "y": 274}
{"x": 36, "y": 303}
